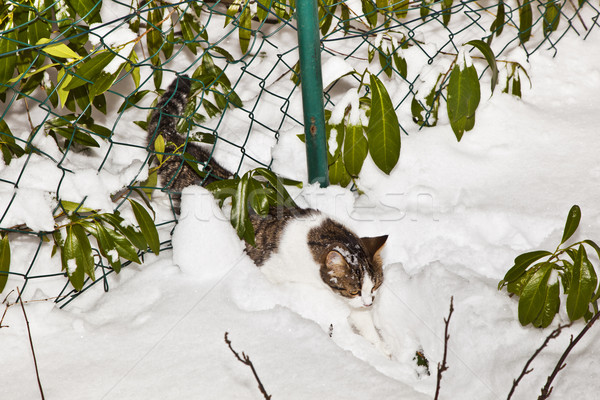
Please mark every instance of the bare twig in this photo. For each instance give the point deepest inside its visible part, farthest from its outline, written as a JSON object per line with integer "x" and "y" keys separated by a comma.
{"x": 37, "y": 374}
{"x": 526, "y": 370}
{"x": 547, "y": 389}
{"x": 443, "y": 366}
{"x": 244, "y": 359}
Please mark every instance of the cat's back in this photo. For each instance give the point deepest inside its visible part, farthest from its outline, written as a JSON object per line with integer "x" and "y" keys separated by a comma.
{"x": 281, "y": 244}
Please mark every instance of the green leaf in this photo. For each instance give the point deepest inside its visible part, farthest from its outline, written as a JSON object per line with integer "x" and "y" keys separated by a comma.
{"x": 78, "y": 136}
{"x": 550, "y": 308}
{"x": 516, "y": 86}
{"x": 370, "y": 12}
{"x": 446, "y": 11}
{"x": 123, "y": 246}
{"x": 8, "y": 62}
{"x": 69, "y": 255}
{"x": 131, "y": 234}
{"x": 355, "y": 149}
{"x": 90, "y": 69}
{"x": 261, "y": 10}
{"x": 146, "y": 225}
{"x": 498, "y": 24}
{"x": 593, "y": 244}
{"x": 400, "y": 8}
{"x": 57, "y": 49}
{"x": 89, "y": 10}
{"x": 259, "y": 201}
{"x": 338, "y": 174}
{"x": 582, "y": 287}
{"x": 239, "y": 211}
{"x": 223, "y": 189}
{"x": 159, "y": 147}
{"x": 4, "y": 261}
{"x": 106, "y": 245}
{"x": 427, "y": 114}
{"x": 154, "y": 38}
{"x": 534, "y": 294}
{"x": 424, "y": 8}
{"x": 525, "y": 19}
{"x": 72, "y": 207}
{"x": 522, "y": 262}
{"x": 463, "y": 99}
{"x": 278, "y": 185}
{"x": 383, "y": 132}
{"x": 84, "y": 256}
{"x": 401, "y": 64}
{"x": 487, "y": 52}
{"x": 551, "y": 17}
{"x": 245, "y": 29}
{"x": 572, "y": 223}
{"x": 133, "y": 100}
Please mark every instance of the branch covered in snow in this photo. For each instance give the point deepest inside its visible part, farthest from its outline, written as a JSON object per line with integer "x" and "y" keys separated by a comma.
{"x": 443, "y": 366}
{"x": 244, "y": 359}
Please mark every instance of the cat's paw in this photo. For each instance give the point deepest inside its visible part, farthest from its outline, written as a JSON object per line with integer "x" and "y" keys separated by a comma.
{"x": 384, "y": 348}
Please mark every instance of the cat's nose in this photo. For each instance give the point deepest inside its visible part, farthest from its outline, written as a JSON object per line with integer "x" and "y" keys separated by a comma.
{"x": 367, "y": 301}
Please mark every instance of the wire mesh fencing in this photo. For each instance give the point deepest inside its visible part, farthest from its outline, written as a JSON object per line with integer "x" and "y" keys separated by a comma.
{"x": 78, "y": 81}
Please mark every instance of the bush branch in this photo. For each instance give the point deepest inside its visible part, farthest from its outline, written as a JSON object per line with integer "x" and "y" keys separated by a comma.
{"x": 37, "y": 374}
{"x": 553, "y": 335}
{"x": 443, "y": 366}
{"x": 547, "y": 389}
{"x": 244, "y": 359}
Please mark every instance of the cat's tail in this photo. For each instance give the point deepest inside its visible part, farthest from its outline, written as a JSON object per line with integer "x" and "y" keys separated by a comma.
{"x": 169, "y": 110}
{"x": 174, "y": 170}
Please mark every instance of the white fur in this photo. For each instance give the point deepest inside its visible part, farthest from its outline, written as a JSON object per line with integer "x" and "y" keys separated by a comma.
{"x": 367, "y": 287}
{"x": 293, "y": 261}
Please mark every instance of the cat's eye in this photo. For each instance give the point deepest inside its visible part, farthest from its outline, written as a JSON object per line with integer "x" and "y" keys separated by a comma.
{"x": 355, "y": 292}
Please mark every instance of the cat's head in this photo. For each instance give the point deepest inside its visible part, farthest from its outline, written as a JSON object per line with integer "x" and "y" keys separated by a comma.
{"x": 355, "y": 270}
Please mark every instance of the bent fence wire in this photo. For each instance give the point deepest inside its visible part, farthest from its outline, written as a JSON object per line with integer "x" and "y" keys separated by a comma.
{"x": 77, "y": 84}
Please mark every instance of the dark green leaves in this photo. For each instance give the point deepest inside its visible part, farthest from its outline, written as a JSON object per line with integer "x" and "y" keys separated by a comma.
{"x": 146, "y": 226}
{"x": 582, "y": 286}
{"x": 533, "y": 294}
{"x": 355, "y": 149}
{"x": 260, "y": 189}
{"x": 487, "y": 52}
{"x": 383, "y": 132}
{"x": 113, "y": 239}
{"x": 538, "y": 285}
{"x": 572, "y": 223}
{"x": 522, "y": 262}
{"x": 463, "y": 98}
{"x": 76, "y": 256}
{"x": 4, "y": 261}
{"x": 8, "y": 59}
{"x": 525, "y": 20}
{"x": 551, "y": 17}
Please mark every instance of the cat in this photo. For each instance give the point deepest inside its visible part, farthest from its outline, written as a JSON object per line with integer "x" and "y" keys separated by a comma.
{"x": 292, "y": 244}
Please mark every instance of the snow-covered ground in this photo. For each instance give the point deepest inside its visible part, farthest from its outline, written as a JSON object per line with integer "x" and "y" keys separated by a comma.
{"x": 456, "y": 214}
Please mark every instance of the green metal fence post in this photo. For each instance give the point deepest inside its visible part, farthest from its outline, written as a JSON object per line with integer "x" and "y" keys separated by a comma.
{"x": 309, "y": 46}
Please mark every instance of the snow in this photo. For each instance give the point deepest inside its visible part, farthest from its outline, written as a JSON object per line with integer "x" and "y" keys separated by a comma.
{"x": 456, "y": 214}
{"x": 117, "y": 38}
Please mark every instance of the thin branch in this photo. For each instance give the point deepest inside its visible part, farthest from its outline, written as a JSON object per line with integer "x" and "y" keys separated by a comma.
{"x": 244, "y": 359}
{"x": 547, "y": 389}
{"x": 37, "y": 374}
{"x": 553, "y": 335}
{"x": 443, "y": 366}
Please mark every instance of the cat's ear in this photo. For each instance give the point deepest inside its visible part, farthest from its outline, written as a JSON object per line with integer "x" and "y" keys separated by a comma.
{"x": 374, "y": 245}
{"x": 336, "y": 263}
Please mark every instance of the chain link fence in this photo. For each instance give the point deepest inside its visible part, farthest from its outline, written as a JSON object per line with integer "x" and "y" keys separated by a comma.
{"x": 79, "y": 79}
